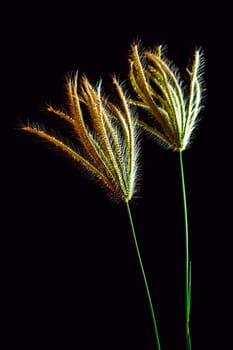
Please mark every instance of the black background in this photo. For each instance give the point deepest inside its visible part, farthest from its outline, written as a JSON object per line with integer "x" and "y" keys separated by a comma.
{"x": 72, "y": 279}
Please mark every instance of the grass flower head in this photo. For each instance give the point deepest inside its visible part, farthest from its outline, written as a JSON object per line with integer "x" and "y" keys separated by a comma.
{"x": 106, "y": 136}
{"x": 172, "y": 106}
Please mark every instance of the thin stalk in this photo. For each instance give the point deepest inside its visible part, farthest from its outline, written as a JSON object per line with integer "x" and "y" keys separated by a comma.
{"x": 144, "y": 278}
{"x": 187, "y": 262}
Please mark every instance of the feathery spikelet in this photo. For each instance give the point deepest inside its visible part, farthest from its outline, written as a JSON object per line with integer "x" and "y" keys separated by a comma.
{"x": 172, "y": 107}
{"x": 106, "y": 135}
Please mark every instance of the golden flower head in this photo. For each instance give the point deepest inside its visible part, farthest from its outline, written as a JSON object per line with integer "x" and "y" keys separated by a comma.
{"x": 105, "y": 133}
{"x": 172, "y": 106}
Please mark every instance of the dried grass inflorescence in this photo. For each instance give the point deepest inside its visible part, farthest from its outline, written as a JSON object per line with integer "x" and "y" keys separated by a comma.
{"x": 172, "y": 106}
{"x": 106, "y": 135}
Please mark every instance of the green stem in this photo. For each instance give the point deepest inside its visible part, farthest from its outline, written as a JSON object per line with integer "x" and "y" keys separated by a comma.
{"x": 187, "y": 262}
{"x": 144, "y": 278}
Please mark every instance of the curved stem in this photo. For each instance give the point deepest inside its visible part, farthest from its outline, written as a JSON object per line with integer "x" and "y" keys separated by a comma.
{"x": 187, "y": 262}
{"x": 144, "y": 278}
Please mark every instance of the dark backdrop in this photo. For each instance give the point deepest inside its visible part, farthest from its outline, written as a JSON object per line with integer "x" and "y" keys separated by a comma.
{"x": 72, "y": 279}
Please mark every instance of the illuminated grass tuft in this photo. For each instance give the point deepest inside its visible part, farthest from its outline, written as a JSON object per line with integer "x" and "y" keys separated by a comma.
{"x": 172, "y": 106}
{"x": 106, "y": 135}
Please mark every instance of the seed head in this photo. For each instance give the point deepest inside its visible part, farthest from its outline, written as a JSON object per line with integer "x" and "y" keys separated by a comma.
{"x": 106, "y": 136}
{"x": 172, "y": 106}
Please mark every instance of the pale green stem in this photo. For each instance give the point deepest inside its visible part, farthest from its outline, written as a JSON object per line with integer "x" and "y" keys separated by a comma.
{"x": 187, "y": 262}
{"x": 144, "y": 278}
